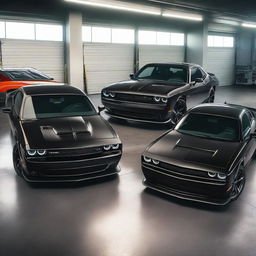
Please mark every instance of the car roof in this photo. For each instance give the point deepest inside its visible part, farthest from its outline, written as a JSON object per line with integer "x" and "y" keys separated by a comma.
{"x": 17, "y": 69}
{"x": 51, "y": 89}
{"x": 174, "y": 63}
{"x": 227, "y": 110}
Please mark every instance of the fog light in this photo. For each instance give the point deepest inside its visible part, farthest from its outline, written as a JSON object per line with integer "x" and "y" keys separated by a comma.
{"x": 147, "y": 159}
{"x": 212, "y": 174}
{"x": 107, "y": 147}
{"x": 155, "y": 162}
{"x": 31, "y": 152}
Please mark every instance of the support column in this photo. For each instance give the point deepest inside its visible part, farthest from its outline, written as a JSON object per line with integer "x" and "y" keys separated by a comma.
{"x": 74, "y": 50}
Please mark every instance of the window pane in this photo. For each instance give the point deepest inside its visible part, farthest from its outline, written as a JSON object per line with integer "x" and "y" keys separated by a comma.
{"x": 49, "y": 32}
{"x": 87, "y": 34}
{"x": 125, "y": 36}
{"x": 2, "y": 29}
{"x": 163, "y": 38}
{"x": 228, "y": 42}
{"x": 218, "y": 41}
{"x": 18, "y": 30}
{"x": 147, "y": 37}
{"x": 101, "y": 35}
{"x": 210, "y": 41}
{"x": 177, "y": 39}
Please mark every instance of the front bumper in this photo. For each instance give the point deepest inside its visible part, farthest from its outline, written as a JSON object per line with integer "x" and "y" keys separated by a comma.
{"x": 71, "y": 170}
{"x": 136, "y": 111}
{"x": 2, "y": 97}
{"x": 186, "y": 187}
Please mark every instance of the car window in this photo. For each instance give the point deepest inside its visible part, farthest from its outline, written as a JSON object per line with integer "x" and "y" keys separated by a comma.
{"x": 17, "y": 102}
{"x": 196, "y": 73}
{"x": 246, "y": 124}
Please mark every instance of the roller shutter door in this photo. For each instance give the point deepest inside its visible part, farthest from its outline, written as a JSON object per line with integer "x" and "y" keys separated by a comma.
{"x": 45, "y": 56}
{"x": 160, "y": 54}
{"x": 221, "y": 62}
{"x": 106, "y": 64}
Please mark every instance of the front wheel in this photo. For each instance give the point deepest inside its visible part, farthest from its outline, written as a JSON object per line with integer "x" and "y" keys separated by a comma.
{"x": 238, "y": 183}
{"x": 211, "y": 97}
{"x": 180, "y": 108}
{"x": 16, "y": 160}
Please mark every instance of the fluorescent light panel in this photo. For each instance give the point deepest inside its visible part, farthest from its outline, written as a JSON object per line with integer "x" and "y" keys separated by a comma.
{"x": 249, "y": 25}
{"x": 182, "y": 15}
{"x": 119, "y": 6}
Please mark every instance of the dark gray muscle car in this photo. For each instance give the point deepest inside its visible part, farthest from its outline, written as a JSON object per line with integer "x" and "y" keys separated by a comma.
{"x": 59, "y": 136}
{"x": 204, "y": 157}
{"x": 159, "y": 93}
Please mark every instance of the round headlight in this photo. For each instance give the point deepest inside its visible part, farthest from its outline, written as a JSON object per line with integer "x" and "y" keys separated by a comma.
{"x": 112, "y": 94}
{"x": 147, "y": 159}
{"x": 115, "y": 146}
{"x": 222, "y": 176}
{"x": 106, "y": 93}
{"x": 164, "y": 100}
{"x": 155, "y": 162}
{"x": 107, "y": 147}
{"x": 31, "y": 152}
{"x": 212, "y": 174}
{"x": 157, "y": 99}
{"x": 41, "y": 152}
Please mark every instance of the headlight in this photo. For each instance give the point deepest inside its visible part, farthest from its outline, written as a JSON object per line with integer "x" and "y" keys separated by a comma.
{"x": 222, "y": 176}
{"x": 106, "y": 93}
{"x": 107, "y": 147}
{"x": 157, "y": 99}
{"x": 155, "y": 162}
{"x": 115, "y": 146}
{"x": 147, "y": 159}
{"x": 112, "y": 94}
{"x": 41, "y": 152}
{"x": 31, "y": 152}
{"x": 164, "y": 100}
{"x": 212, "y": 174}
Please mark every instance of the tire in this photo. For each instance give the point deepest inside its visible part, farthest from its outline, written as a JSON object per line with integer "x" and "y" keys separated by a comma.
{"x": 180, "y": 109}
{"x": 211, "y": 97}
{"x": 238, "y": 182}
{"x": 16, "y": 160}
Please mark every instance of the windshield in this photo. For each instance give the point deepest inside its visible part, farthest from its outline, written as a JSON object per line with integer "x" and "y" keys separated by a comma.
{"x": 26, "y": 75}
{"x": 169, "y": 73}
{"x": 49, "y": 106}
{"x": 210, "y": 126}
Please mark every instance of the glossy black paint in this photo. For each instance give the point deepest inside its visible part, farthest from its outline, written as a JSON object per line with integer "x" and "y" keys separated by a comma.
{"x": 74, "y": 144}
{"x": 185, "y": 160}
{"x": 134, "y": 98}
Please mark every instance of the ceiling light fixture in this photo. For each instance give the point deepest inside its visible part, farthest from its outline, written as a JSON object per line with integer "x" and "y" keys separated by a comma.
{"x": 119, "y": 6}
{"x": 249, "y": 25}
{"x": 182, "y": 15}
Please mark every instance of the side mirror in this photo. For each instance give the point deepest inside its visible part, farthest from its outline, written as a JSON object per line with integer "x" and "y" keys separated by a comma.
{"x": 6, "y": 110}
{"x": 199, "y": 80}
{"x": 132, "y": 76}
{"x": 101, "y": 108}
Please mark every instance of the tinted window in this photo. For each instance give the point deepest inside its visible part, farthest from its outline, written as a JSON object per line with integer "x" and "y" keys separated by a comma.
{"x": 26, "y": 75}
{"x": 246, "y": 124}
{"x": 210, "y": 126}
{"x": 18, "y": 102}
{"x": 170, "y": 73}
{"x": 48, "y": 106}
{"x": 196, "y": 73}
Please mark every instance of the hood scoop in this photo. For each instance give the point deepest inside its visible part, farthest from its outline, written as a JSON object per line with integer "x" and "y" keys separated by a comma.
{"x": 209, "y": 151}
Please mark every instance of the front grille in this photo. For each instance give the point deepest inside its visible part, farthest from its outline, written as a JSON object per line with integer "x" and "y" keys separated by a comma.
{"x": 134, "y": 98}
{"x": 135, "y": 115}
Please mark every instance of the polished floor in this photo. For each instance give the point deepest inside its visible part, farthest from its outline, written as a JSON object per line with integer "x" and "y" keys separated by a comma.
{"x": 118, "y": 217}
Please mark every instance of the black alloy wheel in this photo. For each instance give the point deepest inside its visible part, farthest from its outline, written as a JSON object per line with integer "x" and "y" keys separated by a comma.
{"x": 211, "y": 97}
{"x": 180, "y": 109}
{"x": 16, "y": 160}
{"x": 238, "y": 183}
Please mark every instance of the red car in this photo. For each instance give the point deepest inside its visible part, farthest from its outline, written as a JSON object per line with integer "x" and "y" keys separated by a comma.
{"x": 14, "y": 78}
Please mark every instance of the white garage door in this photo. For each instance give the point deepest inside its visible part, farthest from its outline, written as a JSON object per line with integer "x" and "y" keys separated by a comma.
{"x": 221, "y": 62}
{"x": 106, "y": 64}
{"x": 45, "y": 56}
{"x": 160, "y": 54}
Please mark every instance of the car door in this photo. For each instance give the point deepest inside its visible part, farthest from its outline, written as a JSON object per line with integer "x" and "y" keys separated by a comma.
{"x": 247, "y": 123}
{"x": 199, "y": 90}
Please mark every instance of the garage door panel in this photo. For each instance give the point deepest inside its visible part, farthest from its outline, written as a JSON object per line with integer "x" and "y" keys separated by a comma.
{"x": 161, "y": 54}
{"x": 107, "y": 63}
{"x": 47, "y": 57}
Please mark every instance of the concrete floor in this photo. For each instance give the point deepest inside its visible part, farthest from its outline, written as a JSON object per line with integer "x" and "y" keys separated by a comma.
{"x": 117, "y": 217}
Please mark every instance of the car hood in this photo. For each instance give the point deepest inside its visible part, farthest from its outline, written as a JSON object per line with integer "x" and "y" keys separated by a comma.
{"x": 68, "y": 132}
{"x": 145, "y": 86}
{"x": 194, "y": 152}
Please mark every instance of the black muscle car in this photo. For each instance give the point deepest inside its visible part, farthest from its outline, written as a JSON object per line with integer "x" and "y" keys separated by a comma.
{"x": 159, "y": 93}
{"x": 59, "y": 136}
{"x": 204, "y": 157}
